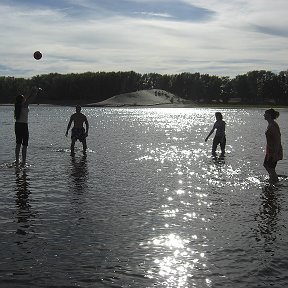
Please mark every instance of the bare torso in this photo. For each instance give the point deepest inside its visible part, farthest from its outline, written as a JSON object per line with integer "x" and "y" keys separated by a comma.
{"x": 78, "y": 119}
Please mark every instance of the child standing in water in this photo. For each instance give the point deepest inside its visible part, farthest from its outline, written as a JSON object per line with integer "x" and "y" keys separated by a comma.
{"x": 220, "y": 137}
{"x": 274, "y": 151}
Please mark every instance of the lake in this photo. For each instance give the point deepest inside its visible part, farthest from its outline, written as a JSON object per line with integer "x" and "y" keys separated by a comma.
{"x": 147, "y": 206}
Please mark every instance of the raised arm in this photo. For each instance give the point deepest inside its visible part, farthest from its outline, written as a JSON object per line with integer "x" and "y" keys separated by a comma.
{"x": 32, "y": 95}
{"x": 87, "y": 125}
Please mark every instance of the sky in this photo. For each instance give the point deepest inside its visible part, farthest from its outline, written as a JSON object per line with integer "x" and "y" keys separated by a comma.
{"x": 215, "y": 37}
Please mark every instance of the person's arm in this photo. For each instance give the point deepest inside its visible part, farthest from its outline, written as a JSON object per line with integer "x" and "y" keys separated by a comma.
{"x": 68, "y": 126}
{"x": 211, "y": 132}
{"x": 87, "y": 125}
{"x": 32, "y": 95}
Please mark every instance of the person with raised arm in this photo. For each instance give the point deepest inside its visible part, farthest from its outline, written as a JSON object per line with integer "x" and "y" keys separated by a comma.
{"x": 21, "y": 111}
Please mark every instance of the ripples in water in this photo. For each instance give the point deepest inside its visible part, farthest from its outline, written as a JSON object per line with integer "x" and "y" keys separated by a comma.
{"x": 147, "y": 207}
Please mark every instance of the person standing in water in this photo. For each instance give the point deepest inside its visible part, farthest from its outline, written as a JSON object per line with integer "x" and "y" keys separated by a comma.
{"x": 220, "y": 137}
{"x": 21, "y": 111}
{"x": 274, "y": 150}
{"x": 78, "y": 131}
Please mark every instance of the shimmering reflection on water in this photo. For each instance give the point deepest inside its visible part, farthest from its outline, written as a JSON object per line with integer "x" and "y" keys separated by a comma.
{"x": 147, "y": 206}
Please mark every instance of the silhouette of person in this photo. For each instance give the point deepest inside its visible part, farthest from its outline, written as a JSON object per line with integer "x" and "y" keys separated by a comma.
{"x": 220, "y": 136}
{"x": 274, "y": 150}
{"x": 78, "y": 131}
{"x": 21, "y": 111}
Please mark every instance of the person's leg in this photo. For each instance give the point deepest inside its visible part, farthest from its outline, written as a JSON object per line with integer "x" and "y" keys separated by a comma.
{"x": 222, "y": 146}
{"x": 214, "y": 145}
{"x": 17, "y": 152}
{"x": 273, "y": 177}
{"x": 18, "y": 134}
{"x": 82, "y": 139}
{"x": 72, "y": 146}
{"x": 25, "y": 144}
{"x": 24, "y": 153}
{"x": 74, "y": 136}
{"x": 270, "y": 168}
{"x": 84, "y": 146}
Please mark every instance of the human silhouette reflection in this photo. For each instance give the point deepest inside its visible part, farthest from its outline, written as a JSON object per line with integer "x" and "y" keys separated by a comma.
{"x": 22, "y": 202}
{"x": 79, "y": 173}
{"x": 268, "y": 215}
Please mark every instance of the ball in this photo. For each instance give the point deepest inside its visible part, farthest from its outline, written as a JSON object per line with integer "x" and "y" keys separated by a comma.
{"x": 37, "y": 55}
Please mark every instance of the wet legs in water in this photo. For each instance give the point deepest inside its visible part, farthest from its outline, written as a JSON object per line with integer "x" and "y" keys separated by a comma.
{"x": 273, "y": 177}
{"x": 73, "y": 147}
{"x": 84, "y": 146}
{"x": 216, "y": 142}
{"x": 17, "y": 153}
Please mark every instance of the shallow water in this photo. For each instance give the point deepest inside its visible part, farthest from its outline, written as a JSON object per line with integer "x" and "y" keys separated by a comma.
{"x": 147, "y": 206}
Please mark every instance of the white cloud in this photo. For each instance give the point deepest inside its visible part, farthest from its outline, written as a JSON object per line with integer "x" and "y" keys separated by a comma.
{"x": 240, "y": 36}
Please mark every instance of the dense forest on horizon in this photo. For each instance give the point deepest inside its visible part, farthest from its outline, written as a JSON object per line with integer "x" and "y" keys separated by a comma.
{"x": 254, "y": 87}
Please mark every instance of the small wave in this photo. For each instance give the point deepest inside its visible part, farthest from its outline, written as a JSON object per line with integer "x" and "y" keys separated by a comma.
{"x": 90, "y": 151}
{"x": 7, "y": 165}
{"x": 66, "y": 150}
{"x": 14, "y": 166}
{"x": 61, "y": 150}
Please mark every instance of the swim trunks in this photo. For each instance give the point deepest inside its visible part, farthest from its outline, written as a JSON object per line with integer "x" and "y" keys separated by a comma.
{"x": 22, "y": 133}
{"x": 78, "y": 134}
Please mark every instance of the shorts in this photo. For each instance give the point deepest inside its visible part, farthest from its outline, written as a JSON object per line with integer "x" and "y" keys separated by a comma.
{"x": 78, "y": 134}
{"x": 22, "y": 133}
{"x": 269, "y": 163}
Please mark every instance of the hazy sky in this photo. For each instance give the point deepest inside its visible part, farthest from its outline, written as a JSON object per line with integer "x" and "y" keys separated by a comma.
{"x": 218, "y": 37}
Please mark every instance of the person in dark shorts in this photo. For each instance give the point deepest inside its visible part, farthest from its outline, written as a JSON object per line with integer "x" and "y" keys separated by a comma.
{"x": 274, "y": 150}
{"x": 220, "y": 136}
{"x": 21, "y": 111}
{"x": 78, "y": 132}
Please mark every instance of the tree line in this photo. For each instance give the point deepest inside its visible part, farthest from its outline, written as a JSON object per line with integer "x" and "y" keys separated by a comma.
{"x": 254, "y": 87}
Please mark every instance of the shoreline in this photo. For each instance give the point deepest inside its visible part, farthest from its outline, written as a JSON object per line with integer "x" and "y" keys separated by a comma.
{"x": 88, "y": 105}
{"x": 154, "y": 105}
{"x": 149, "y": 98}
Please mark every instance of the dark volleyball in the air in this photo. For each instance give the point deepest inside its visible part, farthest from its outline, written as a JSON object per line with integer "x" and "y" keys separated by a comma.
{"x": 37, "y": 55}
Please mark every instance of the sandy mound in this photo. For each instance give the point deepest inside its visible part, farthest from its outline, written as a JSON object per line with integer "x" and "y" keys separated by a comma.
{"x": 142, "y": 98}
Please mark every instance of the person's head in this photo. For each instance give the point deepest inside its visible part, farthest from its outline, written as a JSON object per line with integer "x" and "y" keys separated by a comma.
{"x": 218, "y": 116}
{"x": 271, "y": 114}
{"x": 78, "y": 108}
{"x": 19, "y": 99}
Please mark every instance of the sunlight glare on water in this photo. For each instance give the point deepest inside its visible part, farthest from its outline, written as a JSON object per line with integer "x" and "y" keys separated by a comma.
{"x": 147, "y": 207}
{"x": 191, "y": 172}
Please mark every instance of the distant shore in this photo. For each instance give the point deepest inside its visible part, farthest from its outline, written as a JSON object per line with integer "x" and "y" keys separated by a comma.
{"x": 149, "y": 98}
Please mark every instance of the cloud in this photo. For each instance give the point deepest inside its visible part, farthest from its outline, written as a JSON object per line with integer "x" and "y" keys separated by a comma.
{"x": 273, "y": 31}
{"x": 207, "y": 36}
{"x": 176, "y": 10}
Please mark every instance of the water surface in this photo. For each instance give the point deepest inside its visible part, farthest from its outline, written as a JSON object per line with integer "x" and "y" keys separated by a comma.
{"x": 147, "y": 206}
